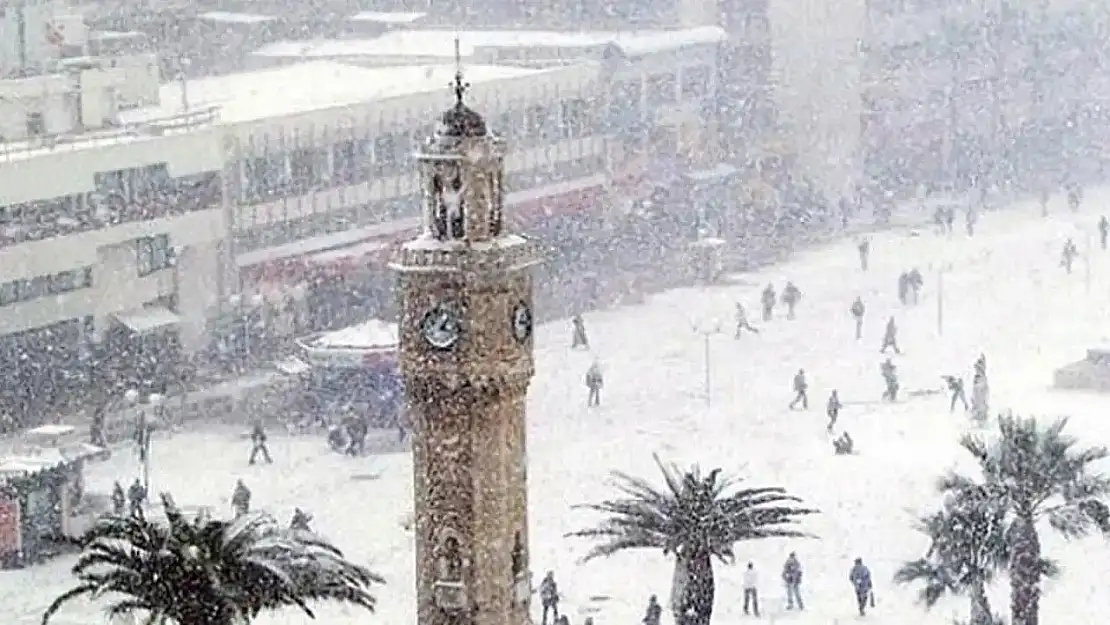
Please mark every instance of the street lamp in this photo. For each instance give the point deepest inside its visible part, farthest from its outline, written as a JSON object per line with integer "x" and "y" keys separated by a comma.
{"x": 144, "y": 428}
{"x": 706, "y": 330}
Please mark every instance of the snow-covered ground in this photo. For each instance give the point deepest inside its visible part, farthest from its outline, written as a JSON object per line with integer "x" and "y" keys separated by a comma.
{"x": 1004, "y": 295}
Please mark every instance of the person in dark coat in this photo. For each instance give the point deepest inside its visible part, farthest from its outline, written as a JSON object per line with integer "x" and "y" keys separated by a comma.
{"x": 890, "y": 380}
{"x": 301, "y": 521}
{"x": 549, "y": 596}
{"x": 767, "y": 300}
{"x": 357, "y": 430}
{"x": 864, "y": 248}
{"x": 857, "y": 311}
{"x": 258, "y": 444}
{"x": 800, "y": 387}
{"x": 578, "y": 337}
{"x": 792, "y": 579}
{"x": 904, "y": 287}
{"x": 594, "y": 382}
{"x": 119, "y": 499}
{"x": 241, "y": 498}
{"x": 844, "y": 445}
{"x": 860, "y": 576}
{"x": 791, "y": 295}
{"x": 136, "y": 497}
{"x": 742, "y": 321}
{"x": 956, "y": 388}
{"x": 915, "y": 282}
{"x": 1103, "y": 231}
{"x": 654, "y": 612}
{"x": 890, "y": 337}
{"x": 832, "y": 409}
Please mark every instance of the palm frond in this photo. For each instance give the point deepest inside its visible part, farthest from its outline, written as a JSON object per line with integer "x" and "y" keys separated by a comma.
{"x": 693, "y": 512}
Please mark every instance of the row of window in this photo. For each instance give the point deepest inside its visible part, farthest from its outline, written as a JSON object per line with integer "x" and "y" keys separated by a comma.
{"x": 281, "y": 172}
{"x": 119, "y": 197}
{"x": 153, "y": 254}
{"x": 25, "y": 290}
{"x": 291, "y": 230}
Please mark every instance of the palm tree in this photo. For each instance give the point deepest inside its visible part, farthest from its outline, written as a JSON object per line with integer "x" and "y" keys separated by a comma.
{"x": 211, "y": 572}
{"x": 1033, "y": 473}
{"x": 695, "y": 517}
{"x": 967, "y": 547}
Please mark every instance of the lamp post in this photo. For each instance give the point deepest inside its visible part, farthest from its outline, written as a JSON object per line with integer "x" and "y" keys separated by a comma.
{"x": 144, "y": 428}
{"x": 942, "y": 269}
{"x": 706, "y": 331}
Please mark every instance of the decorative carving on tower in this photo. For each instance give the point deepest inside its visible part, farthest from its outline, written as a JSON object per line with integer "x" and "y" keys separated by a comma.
{"x": 466, "y": 359}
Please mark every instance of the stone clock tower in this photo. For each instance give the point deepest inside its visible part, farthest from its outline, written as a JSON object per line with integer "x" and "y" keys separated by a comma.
{"x": 466, "y": 359}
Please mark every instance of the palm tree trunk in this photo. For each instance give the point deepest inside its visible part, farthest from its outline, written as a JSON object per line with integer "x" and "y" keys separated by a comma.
{"x": 980, "y": 605}
{"x": 693, "y": 590}
{"x": 1025, "y": 572}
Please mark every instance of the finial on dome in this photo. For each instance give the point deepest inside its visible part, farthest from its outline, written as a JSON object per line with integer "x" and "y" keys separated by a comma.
{"x": 459, "y": 85}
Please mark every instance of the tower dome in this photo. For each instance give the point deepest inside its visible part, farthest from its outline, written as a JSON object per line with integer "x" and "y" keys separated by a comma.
{"x": 461, "y": 121}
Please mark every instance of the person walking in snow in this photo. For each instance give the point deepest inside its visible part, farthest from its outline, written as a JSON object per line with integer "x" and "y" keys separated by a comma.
{"x": 832, "y": 409}
{"x": 863, "y": 246}
{"x": 915, "y": 281}
{"x": 549, "y": 596}
{"x": 890, "y": 337}
{"x": 1103, "y": 231}
{"x": 890, "y": 380}
{"x": 654, "y": 612}
{"x": 136, "y": 497}
{"x": 742, "y": 321}
{"x": 860, "y": 577}
{"x": 800, "y": 387}
{"x": 1069, "y": 255}
{"x": 844, "y": 445}
{"x": 956, "y": 388}
{"x": 904, "y": 287}
{"x": 857, "y": 311}
{"x": 791, "y": 295}
{"x": 240, "y": 498}
{"x": 258, "y": 444}
{"x": 751, "y": 590}
{"x": 767, "y": 299}
{"x": 578, "y": 338}
{"x": 119, "y": 499}
{"x": 594, "y": 382}
{"x": 792, "y": 579}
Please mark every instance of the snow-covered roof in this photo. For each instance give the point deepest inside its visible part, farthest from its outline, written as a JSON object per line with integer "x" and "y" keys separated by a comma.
{"x": 236, "y": 18}
{"x": 372, "y": 334}
{"x": 388, "y": 17}
{"x": 441, "y": 43}
{"x": 311, "y": 86}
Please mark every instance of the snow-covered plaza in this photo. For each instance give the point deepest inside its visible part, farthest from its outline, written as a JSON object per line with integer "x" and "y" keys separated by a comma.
{"x": 1004, "y": 295}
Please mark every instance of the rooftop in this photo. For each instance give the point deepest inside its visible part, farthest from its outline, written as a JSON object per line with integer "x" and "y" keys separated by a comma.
{"x": 441, "y": 43}
{"x": 316, "y": 85}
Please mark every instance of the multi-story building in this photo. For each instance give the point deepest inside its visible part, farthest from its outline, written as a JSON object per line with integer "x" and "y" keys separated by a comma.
{"x": 1000, "y": 92}
{"x": 139, "y": 222}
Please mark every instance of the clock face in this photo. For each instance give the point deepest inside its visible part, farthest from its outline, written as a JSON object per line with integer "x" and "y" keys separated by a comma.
{"x": 441, "y": 327}
{"x": 522, "y": 322}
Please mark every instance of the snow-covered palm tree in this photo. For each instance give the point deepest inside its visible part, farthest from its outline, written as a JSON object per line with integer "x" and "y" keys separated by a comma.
{"x": 1035, "y": 473}
{"x": 695, "y": 517}
{"x": 967, "y": 548}
{"x": 210, "y": 572}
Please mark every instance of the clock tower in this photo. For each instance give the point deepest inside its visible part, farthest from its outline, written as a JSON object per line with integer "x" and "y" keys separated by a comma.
{"x": 466, "y": 327}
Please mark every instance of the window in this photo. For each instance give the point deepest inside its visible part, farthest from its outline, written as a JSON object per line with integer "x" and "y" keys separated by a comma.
{"x": 154, "y": 254}
{"x": 577, "y": 121}
{"x": 67, "y": 281}
{"x": 696, "y": 82}
{"x": 661, "y": 89}
{"x": 36, "y": 126}
{"x": 385, "y": 152}
{"x": 537, "y": 123}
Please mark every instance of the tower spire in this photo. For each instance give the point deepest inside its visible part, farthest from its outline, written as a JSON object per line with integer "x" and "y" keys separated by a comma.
{"x": 459, "y": 86}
